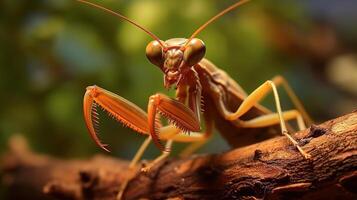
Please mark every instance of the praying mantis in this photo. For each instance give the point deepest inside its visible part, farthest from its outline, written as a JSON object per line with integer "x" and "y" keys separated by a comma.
{"x": 227, "y": 107}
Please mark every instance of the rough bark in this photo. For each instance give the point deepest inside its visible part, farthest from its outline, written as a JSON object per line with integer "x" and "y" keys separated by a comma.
{"x": 272, "y": 169}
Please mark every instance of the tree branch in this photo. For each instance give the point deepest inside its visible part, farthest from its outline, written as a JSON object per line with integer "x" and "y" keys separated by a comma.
{"x": 272, "y": 169}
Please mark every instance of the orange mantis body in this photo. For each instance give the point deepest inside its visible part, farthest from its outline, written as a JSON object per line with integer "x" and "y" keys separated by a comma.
{"x": 226, "y": 105}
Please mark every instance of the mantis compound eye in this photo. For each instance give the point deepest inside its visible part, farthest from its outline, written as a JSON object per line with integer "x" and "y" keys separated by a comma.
{"x": 194, "y": 52}
{"x": 154, "y": 53}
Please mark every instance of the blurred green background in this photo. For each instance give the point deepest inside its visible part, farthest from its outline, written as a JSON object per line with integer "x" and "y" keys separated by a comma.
{"x": 50, "y": 50}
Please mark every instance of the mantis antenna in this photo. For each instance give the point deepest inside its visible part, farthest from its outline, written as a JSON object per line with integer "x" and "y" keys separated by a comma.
{"x": 124, "y": 18}
{"x": 223, "y": 12}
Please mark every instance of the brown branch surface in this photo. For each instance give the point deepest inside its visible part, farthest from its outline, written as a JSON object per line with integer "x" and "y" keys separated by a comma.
{"x": 272, "y": 169}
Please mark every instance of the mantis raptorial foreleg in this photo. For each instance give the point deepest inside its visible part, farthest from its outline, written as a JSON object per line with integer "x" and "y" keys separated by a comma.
{"x": 252, "y": 99}
{"x": 129, "y": 114}
{"x": 178, "y": 113}
{"x": 135, "y": 118}
{"x": 174, "y": 109}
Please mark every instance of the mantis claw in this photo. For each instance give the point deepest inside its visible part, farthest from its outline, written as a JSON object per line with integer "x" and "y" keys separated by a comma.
{"x": 176, "y": 112}
{"x": 117, "y": 107}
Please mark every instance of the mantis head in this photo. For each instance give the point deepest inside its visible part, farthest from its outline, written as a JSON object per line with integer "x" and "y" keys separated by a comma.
{"x": 176, "y": 57}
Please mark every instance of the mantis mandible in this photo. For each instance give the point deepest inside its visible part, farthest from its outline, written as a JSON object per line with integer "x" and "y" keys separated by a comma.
{"x": 227, "y": 106}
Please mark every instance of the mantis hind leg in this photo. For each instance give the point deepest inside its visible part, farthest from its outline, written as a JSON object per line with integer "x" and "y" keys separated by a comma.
{"x": 251, "y": 100}
{"x": 280, "y": 80}
{"x": 274, "y": 118}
